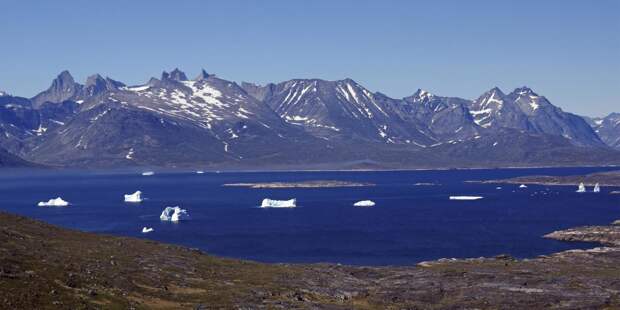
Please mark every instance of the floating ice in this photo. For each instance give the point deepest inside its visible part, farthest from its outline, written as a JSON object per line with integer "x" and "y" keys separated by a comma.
{"x": 147, "y": 173}
{"x": 200, "y": 172}
{"x": 597, "y": 188}
{"x": 270, "y": 203}
{"x": 174, "y": 214}
{"x": 582, "y": 188}
{"x": 522, "y": 186}
{"x": 499, "y": 187}
{"x": 135, "y": 197}
{"x": 147, "y": 230}
{"x": 465, "y": 197}
{"x": 58, "y": 202}
{"x": 364, "y": 203}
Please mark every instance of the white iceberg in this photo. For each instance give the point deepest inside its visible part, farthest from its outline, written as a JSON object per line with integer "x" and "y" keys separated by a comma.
{"x": 465, "y": 197}
{"x": 147, "y": 173}
{"x": 58, "y": 202}
{"x": 582, "y": 188}
{"x": 174, "y": 214}
{"x": 597, "y": 188}
{"x": 499, "y": 187}
{"x": 135, "y": 197}
{"x": 271, "y": 203}
{"x": 147, "y": 230}
{"x": 200, "y": 172}
{"x": 522, "y": 186}
{"x": 364, "y": 203}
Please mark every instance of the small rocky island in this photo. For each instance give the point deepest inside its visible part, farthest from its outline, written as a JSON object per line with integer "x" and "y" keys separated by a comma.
{"x": 46, "y": 267}
{"x": 610, "y": 178}
{"x": 303, "y": 184}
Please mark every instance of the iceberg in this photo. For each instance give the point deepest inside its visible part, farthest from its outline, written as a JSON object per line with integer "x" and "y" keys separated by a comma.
{"x": 271, "y": 203}
{"x": 581, "y": 188}
{"x": 174, "y": 214}
{"x": 522, "y": 186}
{"x": 58, "y": 202}
{"x": 499, "y": 187}
{"x": 147, "y": 230}
{"x": 200, "y": 172}
{"x": 597, "y": 188}
{"x": 364, "y": 203}
{"x": 465, "y": 197}
{"x": 147, "y": 173}
{"x": 135, "y": 197}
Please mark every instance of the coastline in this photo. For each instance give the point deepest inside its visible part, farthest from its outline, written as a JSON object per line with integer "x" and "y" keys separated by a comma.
{"x": 73, "y": 269}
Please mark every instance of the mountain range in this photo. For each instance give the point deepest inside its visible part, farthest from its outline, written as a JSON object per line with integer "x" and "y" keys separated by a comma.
{"x": 174, "y": 121}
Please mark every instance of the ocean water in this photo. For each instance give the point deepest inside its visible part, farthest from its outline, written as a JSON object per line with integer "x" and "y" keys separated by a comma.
{"x": 409, "y": 224}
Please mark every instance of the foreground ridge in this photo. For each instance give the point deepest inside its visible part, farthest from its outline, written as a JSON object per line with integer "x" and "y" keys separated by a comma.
{"x": 44, "y": 266}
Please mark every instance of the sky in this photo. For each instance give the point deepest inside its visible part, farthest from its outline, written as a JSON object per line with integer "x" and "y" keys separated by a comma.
{"x": 566, "y": 50}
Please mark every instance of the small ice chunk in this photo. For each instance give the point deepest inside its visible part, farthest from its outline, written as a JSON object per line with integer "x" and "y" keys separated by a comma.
{"x": 58, "y": 202}
{"x": 200, "y": 172}
{"x": 135, "y": 197}
{"x": 465, "y": 197}
{"x": 522, "y": 186}
{"x": 499, "y": 187}
{"x": 147, "y": 173}
{"x": 174, "y": 214}
{"x": 147, "y": 230}
{"x": 271, "y": 203}
{"x": 364, "y": 203}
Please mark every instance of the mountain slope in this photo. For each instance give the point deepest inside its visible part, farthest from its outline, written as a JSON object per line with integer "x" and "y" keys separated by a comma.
{"x": 525, "y": 110}
{"x": 303, "y": 123}
{"x": 608, "y": 129}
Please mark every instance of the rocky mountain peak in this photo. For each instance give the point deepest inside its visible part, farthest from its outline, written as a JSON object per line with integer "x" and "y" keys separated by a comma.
{"x": 63, "y": 88}
{"x": 524, "y": 91}
{"x": 421, "y": 95}
{"x": 178, "y": 75}
{"x": 203, "y": 75}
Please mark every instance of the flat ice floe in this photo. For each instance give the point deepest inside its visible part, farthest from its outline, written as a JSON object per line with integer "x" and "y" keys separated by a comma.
{"x": 147, "y": 230}
{"x": 147, "y": 173}
{"x": 271, "y": 203}
{"x": 200, "y": 172}
{"x": 57, "y": 202}
{"x": 364, "y": 203}
{"x": 465, "y": 197}
{"x": 135, "y": 197}
{"x": 522, "y": 186}
{"x": 174, "y": 214}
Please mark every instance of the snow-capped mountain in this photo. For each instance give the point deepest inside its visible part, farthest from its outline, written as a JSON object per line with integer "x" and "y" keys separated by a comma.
{"x": 176, "y": 121}
{"x": 338, "y": 110}
{"x": 608, "y": 129}
{"x": 525, "y": 110}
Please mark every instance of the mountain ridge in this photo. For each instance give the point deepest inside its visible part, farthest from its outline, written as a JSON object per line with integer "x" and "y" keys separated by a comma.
{"x": 209, "y": 121}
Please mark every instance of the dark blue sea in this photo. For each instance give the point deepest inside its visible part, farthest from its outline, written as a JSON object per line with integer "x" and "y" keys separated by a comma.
{"x": 409, "y": 224}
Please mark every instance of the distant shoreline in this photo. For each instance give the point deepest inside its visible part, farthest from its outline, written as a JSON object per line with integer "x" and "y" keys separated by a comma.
{"x": 610, "y": 178}
{"x": 303, "y": 184}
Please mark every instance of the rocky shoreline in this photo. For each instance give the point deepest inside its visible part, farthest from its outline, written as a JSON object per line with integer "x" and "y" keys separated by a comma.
{"x": 46, "y": 267}
{"x": 611, "y": 178}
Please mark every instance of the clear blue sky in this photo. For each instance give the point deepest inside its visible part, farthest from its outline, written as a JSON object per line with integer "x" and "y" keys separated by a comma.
{"x": 566, "y": 50}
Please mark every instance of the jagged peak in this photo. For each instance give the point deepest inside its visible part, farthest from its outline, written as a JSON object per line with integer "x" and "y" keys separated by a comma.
{"x": 203, "y": 75}
{"x": 178, "y": 75}
{"x": 524, "y": 90}
{"x": 422, "y": 94}
{"x": 64, "y": 78}
{"x": 164, "y": 76}
{"x": 94, "y": 79}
